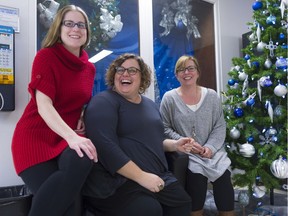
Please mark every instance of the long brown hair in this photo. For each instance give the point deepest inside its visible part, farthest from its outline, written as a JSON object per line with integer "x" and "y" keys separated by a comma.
{"x": 54, "y": 32}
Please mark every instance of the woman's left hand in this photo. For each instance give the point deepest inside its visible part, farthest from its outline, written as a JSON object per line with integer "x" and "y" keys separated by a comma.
{"x": 207, "y": 153}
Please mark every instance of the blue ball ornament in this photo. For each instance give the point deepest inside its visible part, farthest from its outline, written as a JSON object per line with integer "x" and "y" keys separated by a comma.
{"x": 247, "y": 57}
{"x": 281, "y": 36}
{"x": 257, "y": 5}
{"x": 231, "y": 82}
{"x": 238, "y": 112}
{"x": 271, "y": 20}
{"x": 281, "y": 63}
{"x": 180, "y": 24}
{"x": 256, "y": 64}
{"x": 250, "y": 102}
{"x": 250, "y": 139}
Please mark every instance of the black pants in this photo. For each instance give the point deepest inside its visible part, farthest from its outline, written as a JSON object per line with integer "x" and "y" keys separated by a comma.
{"x": 222, "y": 189}
{"x": 132, "y": 199}
{"x": 57, "y": 183}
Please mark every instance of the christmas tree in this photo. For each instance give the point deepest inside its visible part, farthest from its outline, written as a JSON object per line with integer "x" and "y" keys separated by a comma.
{"x": 255, "y": 105}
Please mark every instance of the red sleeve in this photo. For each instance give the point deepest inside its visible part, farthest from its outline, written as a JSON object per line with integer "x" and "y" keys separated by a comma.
{"x": 42, "y": 77}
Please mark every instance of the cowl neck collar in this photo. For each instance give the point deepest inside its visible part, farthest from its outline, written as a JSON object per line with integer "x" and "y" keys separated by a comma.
{"x": 70, "y": 60}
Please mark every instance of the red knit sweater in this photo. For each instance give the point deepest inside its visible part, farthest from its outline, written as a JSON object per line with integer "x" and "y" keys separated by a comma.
{"x": 68, "y": 81}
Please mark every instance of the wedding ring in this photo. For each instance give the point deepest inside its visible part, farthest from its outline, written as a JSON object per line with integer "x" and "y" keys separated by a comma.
{"x": 160, "y": 186}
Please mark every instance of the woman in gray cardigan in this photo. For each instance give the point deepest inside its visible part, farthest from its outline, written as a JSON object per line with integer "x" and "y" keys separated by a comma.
{"x": 195, "y": 111}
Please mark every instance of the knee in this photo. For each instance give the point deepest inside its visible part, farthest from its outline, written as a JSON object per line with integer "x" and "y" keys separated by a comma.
{"x": 143, "y": 206}
{"x": 70, "y": 160}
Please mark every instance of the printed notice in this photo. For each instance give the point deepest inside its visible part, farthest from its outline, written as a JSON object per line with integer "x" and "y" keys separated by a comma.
{"x": 10, "y": 17}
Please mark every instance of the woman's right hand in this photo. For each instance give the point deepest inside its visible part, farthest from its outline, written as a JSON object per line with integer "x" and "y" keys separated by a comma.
{"x": 197, "y": 148}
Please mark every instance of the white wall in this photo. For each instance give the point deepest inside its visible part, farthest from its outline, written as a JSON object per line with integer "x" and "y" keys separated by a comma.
{"x": 231, "y": 17}
{"x": 25, "y": 51}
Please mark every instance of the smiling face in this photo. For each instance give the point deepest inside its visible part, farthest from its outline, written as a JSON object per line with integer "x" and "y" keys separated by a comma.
{"x": 188, "y": 74}
{"x": 73, "y": 37}
{"x": 126, "y": 84}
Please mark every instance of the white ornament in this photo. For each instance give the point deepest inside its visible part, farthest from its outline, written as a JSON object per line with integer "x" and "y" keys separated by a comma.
{"x": 282, "y": 7}
{"x": 242, "y": 76}
{"x": 270, "y": 111}
{"x": 247, "y": 150}
{"x": 249, "y": 63}
{"x": 267, "y": 63}
{"x": 234, "y": 133}
{"x": 259, "y": 89}
{"x": 280, "y": 90}
{"x": 259, "y": 191}
{"x": 279, "y": 168}
{"x": 258, "y": 33}
{"x": 261, "y": 46}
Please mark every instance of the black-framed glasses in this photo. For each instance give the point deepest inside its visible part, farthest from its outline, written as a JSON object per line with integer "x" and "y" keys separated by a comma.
{"x": 189, "y": 69}
{"x": 71, "y": 24}
{"x": 131, "y": 70}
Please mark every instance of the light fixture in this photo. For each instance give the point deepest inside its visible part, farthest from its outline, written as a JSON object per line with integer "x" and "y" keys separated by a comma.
{"x": 100, "y": 56}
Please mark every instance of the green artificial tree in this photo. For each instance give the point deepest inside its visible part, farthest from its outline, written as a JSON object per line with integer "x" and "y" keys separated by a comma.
{"x": 255, "y": 105}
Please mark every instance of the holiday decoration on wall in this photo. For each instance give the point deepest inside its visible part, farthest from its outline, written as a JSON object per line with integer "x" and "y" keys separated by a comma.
{"x": 105, "y": 19}
{"x": 256, "y": 99}
{"x": 182, "y": 27}
{"x": 178, "y": 14}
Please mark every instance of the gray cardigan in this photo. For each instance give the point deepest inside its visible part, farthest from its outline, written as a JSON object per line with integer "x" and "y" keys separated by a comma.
{"x": 208, "y": 124}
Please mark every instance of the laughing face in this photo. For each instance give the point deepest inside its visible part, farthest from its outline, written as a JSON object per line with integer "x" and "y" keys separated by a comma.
{"x": 127, "y": 79}
{"x": 73, "y": 31}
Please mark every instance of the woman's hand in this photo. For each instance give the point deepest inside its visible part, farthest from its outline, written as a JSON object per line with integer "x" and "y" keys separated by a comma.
{"x": 184, "y": 144}
{"x": 80, "y": 127}
{"x": 82, "y": 144}
{"x": 151, "y": 182}
{"x": 197, "y": 148}
{"x": 207, "y": 153}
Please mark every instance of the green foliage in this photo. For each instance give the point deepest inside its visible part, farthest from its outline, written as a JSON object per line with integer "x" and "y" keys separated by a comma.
{"x": 268, "y": 134}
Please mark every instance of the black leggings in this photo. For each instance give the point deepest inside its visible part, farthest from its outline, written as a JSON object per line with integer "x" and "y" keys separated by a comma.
{"x": 222, "y": 189}
{"x": 132, "y": 199}
{"x": 56, "y": 184}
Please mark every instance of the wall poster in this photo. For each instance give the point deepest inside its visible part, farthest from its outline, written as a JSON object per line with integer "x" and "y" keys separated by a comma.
{"x": 114, "y": 26}
{"x": 182, "y": 27}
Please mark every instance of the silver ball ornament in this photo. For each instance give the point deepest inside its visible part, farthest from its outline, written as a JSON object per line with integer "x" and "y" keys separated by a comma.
{"x": 280, "y": 90}
{"x": 267, "y": 63}
{"x": 279, "y": 168}
{"x": 247, "y": 150}
{"x": 261, "y": 46}
{"x": 242, "y": 76}
{"x": 243, "y": 198}
{"x": 234, "y": 133}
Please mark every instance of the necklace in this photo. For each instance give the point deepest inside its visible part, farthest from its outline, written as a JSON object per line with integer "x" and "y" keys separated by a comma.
{"x": 188, "y": 98}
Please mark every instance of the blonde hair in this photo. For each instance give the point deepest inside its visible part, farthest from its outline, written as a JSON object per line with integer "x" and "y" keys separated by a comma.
{"x": 54, "y": 32}
{"x": 144, "y": 68}
{"x": 180, "y": 64}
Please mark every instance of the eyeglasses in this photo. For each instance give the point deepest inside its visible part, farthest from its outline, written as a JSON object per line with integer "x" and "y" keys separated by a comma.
{"x": 131, "y": 70}
{"x": 189, "y": 69}
{"x": 71, "y": 24}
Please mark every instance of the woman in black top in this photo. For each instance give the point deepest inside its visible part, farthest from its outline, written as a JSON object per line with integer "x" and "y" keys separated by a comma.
{"x": 131, "y": 177}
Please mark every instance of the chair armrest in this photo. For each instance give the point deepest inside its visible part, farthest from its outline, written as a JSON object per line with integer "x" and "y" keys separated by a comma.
{"x": 177, "y": 164}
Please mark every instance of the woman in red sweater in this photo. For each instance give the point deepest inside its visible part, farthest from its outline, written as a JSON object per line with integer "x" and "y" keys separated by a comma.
{"x": 50, "y": 153}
